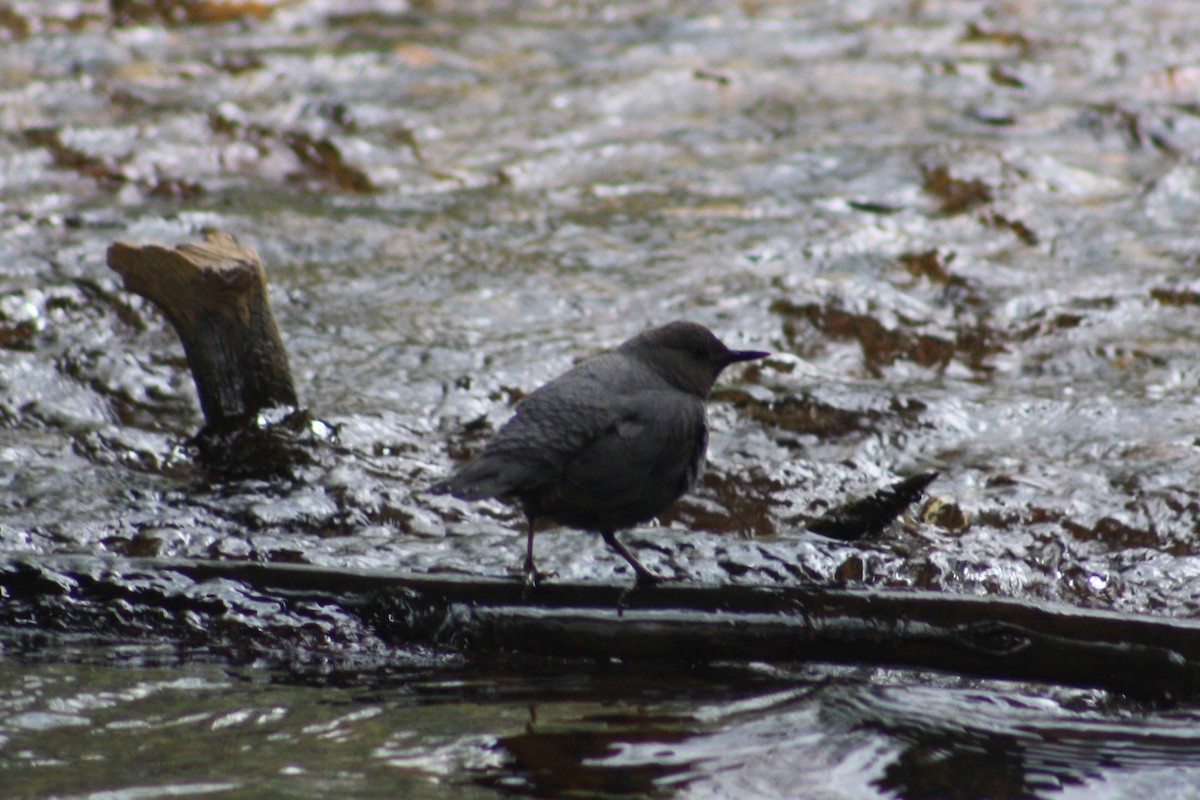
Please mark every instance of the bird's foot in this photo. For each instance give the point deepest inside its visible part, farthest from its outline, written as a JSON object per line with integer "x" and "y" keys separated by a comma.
{"x": 645, "y": 579}
{"x": 534, "y": 576}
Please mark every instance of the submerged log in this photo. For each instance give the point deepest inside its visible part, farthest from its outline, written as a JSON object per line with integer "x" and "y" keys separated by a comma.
{"x": 215, "y": 295}
{"x": 1138, "y": 656}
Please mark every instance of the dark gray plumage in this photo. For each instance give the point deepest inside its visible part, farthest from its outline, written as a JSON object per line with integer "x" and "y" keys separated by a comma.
{"x": 610, "y": 443}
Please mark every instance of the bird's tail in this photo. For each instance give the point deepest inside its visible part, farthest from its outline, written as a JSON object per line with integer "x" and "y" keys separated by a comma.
{"x": 475, "y": 482}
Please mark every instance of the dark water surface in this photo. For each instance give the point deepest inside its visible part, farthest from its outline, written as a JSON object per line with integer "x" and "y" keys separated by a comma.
{"x": 968, "y": 231}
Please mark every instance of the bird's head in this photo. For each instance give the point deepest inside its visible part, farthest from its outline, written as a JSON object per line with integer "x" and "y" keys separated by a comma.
{"x": 687, "y": 354}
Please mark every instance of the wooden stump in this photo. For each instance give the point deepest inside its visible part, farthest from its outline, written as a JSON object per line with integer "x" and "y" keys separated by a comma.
{"x": 214, "y": 293}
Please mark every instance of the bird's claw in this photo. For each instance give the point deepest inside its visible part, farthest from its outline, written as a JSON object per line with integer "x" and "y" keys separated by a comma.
{"x": 647, "y": 579}
{"x": 534, "y": 577}
{"x": 643, "y": 580}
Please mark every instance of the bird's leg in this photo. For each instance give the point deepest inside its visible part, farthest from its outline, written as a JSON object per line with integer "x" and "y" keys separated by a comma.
{"x": 532, "y": 576}
{"x": 645, "y": 577}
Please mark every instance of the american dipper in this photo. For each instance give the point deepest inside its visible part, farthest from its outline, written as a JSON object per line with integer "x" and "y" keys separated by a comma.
{"x": 610, "y": 443}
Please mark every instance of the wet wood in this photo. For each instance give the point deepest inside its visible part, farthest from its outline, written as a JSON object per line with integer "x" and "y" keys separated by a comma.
{"x": 867, "y": 516}
{"x": 1138, "y": 656}
{"x": 215, "y": 295}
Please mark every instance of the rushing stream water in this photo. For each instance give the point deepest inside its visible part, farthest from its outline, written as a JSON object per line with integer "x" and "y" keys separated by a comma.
{"x": 967, "y": 231}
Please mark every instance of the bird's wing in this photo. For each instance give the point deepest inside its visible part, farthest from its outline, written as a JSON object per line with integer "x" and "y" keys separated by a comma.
{"x": 649, "y": 454}
{"x": 609, "y": 434}
{"x": 532, "y": 450}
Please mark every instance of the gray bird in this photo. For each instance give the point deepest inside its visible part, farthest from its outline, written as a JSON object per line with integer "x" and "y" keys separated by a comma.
{"x": 610, "y": 443}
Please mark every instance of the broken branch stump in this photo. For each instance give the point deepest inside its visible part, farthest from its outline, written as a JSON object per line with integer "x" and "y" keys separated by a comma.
{"x": 214, "y": 293}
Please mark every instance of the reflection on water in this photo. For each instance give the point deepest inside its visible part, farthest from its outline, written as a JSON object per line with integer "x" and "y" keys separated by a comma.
{"x": 983, "y": 743}
{"x": 608, "y": 762}
{"x": 78, "y": 719}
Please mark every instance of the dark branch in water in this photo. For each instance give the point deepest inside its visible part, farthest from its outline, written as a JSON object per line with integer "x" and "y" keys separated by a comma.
{"x": 868, "y": 516}
{"x": 1141, "y": 657}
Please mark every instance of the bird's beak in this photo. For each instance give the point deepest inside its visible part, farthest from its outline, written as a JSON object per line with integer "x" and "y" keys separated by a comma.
{"x": 746, "y": 355}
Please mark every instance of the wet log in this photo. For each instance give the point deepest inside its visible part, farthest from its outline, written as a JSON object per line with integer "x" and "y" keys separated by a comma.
{"x": 215, "y": 295}
{"x": 1138, "y": 656}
